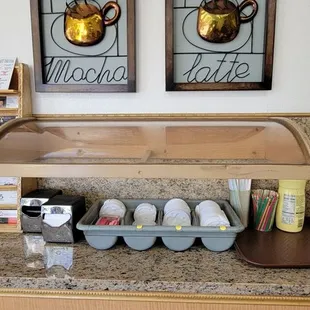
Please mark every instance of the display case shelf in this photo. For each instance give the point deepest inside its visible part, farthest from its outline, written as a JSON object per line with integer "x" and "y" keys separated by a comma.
{"x": 8, "y": 111}
{"x": 8, "y": 207}
{"x": 9, "y": 92}
{"x": 8, "y": 188}
{"x": 208, "y": 148}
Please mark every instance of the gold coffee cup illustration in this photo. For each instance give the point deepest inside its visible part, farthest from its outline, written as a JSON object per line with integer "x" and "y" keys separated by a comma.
{"x": 85, "y": 22}
{"x": 219, "y": 21}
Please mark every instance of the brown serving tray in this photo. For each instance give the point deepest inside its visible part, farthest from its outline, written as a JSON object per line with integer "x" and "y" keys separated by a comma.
{"x": 275, "y": 249}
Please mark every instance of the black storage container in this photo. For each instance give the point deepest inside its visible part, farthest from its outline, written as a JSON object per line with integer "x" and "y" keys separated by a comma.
{"x": 59, "y": 218}
{"x": 31, "y": 208}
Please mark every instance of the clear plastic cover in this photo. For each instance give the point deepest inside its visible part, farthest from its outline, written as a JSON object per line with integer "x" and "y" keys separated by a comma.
{"x": 152, "y": 142}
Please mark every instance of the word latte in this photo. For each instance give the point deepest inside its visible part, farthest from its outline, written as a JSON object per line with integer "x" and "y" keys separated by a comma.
{"x": 227, "y": 68}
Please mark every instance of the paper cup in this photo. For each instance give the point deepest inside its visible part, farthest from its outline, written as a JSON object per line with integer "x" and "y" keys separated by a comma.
{"x": 177, "y": 217}
{"x": 207, "y": 206}
{"x": 145, "y": 212}
{"x": 113, "y": 207}
{"x": 177, "y": 204}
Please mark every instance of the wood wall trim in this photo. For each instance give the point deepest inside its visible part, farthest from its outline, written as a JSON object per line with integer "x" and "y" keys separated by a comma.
{"x": 169, "y": 116}
{"x": 155, "y": 297}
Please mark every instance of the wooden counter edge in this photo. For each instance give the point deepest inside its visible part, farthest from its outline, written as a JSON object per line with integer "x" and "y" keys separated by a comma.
{"x": 157, "y": 297}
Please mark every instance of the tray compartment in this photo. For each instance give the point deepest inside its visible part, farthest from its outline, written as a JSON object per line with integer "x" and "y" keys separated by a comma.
{"x": 215, "y": 241}
{"x": 179, "y": 244}
{"x": 94, "y": 235}
{"x": 139, "y": 243}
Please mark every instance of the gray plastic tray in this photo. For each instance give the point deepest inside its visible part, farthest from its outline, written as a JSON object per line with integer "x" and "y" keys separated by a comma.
{"x": 175, "y": 238}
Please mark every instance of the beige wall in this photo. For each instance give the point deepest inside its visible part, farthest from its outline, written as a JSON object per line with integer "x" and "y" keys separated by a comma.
{"x": 291, "y": 75}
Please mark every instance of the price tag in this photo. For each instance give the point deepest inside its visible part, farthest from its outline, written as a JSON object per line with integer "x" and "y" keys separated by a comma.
{"x": 8, "y": 197}
{"x": 8, "y": 181}
{"x": 12, "y": 102}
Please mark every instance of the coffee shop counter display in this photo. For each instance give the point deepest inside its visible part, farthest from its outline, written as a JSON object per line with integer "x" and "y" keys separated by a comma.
{"x": 153, "y": 279}
{"x": 34, "y": 273}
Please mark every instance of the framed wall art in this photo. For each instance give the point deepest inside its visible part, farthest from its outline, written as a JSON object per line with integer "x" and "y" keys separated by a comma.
{"x": 219, "y": 44}
{"x": 84, "y": 45}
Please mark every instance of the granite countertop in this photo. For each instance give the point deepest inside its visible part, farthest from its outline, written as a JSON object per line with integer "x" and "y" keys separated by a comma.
{"x": 28, "y": 265}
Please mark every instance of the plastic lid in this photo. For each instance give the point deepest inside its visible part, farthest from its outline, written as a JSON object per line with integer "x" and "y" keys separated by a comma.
{"x": 293, "y": 184}
{"x": 152, "y": 147}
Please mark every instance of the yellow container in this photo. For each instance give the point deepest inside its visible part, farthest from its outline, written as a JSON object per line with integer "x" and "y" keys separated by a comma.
{"x": 290, "y": 215}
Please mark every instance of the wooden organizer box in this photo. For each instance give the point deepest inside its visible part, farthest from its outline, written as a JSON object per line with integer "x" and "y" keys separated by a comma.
{"x": 20, "y": 88}
{"x": 22, "y": 187}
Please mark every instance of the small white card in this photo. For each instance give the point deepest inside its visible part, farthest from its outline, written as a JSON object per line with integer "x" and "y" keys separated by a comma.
{"x": 8, "y": 213}
{"x": 6, "y": 71}
{"x": 8, "y": 197}
{"x": 12, "y": 102}
{"x": 8, "y": 181}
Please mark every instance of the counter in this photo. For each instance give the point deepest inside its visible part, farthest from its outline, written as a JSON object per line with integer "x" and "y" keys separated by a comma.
{"x": 158, "y": 270}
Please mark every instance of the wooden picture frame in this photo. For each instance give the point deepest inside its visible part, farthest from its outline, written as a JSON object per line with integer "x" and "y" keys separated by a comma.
{"x": 121, "y": 79}
{"x": 172, "y": 83}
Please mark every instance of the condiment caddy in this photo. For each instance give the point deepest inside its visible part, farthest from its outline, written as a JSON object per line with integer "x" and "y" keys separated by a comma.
{"x": 53, "y": 214}
{"x": 176, "y": 238}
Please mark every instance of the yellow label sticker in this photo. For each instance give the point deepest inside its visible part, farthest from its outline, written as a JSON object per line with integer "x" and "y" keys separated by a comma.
{"x": 178, "y": 228}
{"x": 223, "y": 228}
{"x": 139, "y": 227}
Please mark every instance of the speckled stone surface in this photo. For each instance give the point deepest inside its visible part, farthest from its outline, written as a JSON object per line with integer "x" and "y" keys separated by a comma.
{"x": 158, "y": 270}
{"x": 98, "y": 188}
